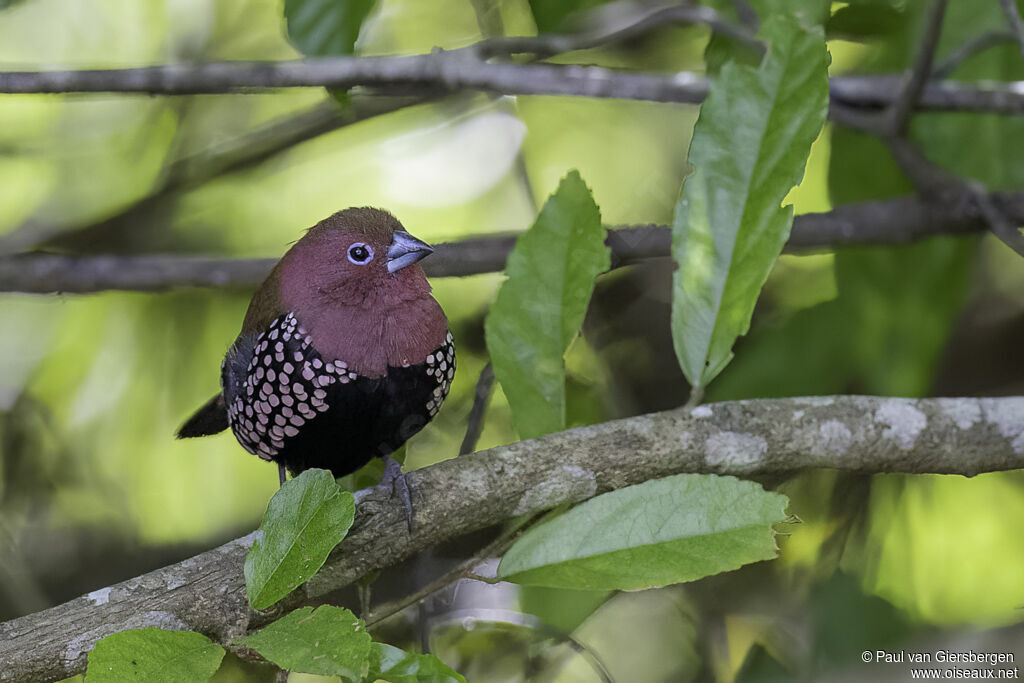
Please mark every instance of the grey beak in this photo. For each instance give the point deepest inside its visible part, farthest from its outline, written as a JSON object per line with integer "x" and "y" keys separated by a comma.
{"x": 406, "y": 250}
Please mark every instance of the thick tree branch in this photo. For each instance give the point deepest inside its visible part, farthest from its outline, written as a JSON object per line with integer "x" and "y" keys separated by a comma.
{"x": 744, "y": 438}
{"x": 894, "y": 221}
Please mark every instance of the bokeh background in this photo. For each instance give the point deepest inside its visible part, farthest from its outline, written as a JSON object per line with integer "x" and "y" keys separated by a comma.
{"x": 94, "y": 489}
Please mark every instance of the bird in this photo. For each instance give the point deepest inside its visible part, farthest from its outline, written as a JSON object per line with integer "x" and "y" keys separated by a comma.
{"x": 343, "y": 354}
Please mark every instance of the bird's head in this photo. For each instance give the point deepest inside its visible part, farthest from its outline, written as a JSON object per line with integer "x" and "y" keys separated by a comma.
{"x": 359, "y": 256}
{"x": 354, "y": 283}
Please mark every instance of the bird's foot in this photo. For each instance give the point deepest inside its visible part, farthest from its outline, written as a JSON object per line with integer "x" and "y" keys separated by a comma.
{"x": 395, "y": 479}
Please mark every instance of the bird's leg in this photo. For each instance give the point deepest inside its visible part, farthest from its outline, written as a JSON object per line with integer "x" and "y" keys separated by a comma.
{"x": 282, "y": 474}
{"x": 395, "y": 479}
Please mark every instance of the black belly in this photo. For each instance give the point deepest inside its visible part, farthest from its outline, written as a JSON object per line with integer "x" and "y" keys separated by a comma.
{"x": 366, "y": 418}
{"x": 288, "y": 404}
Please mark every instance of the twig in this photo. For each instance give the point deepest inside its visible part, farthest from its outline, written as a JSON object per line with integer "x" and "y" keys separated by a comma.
{"x": 930, "y": 180}
{"x": 903, "y": 106}
{"x": 549, "y": 45}
{"x": 1002, "y": 227}
{"x": 475, "y": 421}
{"x": 970, "y": 48}
{"x": 495, "y": 548}
{"x": 876, "y": 92}
{"x": 1013, "y": 19}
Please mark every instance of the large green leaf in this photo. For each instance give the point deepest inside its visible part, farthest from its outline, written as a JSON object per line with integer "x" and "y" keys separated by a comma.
{"x": 153, "y": 654}
{"x": 748, "y": 150}
{"x": 329, "y": 641}
{"x": 323, "y": 28}
{"x": 388, "y": 663}
{"x": 540, "y": 307}
{"x": 306, "y": 518}
{"x": 661, "y": 532}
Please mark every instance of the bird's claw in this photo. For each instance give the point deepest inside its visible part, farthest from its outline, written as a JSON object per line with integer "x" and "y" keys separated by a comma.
{"x": 395, "y": 479}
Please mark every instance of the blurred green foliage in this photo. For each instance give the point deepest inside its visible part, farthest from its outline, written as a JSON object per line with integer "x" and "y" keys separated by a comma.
{"x": 94, "y": 489}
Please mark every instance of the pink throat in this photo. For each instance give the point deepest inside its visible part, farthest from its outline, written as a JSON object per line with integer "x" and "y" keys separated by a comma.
{"x": 395, "y": 323}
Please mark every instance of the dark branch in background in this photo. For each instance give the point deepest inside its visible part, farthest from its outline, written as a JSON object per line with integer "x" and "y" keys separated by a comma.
{"x": 970, "y": 48}
{"x": 550, "y": 45}
{"x": 746, "y": 438}
{"x": 1013, "y": 19}
{"x": 475, "y": 421}
{"x": 902, "y": 108}
{"x": 888, "y": 222}
{"x": 932, "y": 182}
{"x": 442, "y": 72}
{"x": 263, "y": 143}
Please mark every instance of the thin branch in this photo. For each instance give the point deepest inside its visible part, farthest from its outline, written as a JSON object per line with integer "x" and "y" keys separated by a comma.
{"x": 1013, "y": 19}
{"x": 969, "y": 49}
{"x": 902, "y": 108}
{"x": 550, "y": 45}
{"x": 443, "y": 72}
{"x": 464, "y": 569}
{"x": 475, "y": 421}
{"x": 206, "y": 593}
{"x": 877, "y": 92}
{"x": 894, "y": 221}
{"x": 1001, "y": 226}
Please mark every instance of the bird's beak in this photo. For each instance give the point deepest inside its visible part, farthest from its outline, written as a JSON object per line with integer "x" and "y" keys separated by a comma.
{"x": 406, "y": 250}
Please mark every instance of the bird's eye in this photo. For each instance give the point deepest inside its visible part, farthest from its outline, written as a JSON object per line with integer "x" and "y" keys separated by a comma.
{"x": 360, "y": 253}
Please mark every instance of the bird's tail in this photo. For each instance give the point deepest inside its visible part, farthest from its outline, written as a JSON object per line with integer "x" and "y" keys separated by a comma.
{"x": 210, "y": 419}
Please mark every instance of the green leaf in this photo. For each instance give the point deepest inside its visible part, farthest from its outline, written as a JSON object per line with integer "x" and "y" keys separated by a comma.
{"x": 748, "y": 150}
{"x": 330, "y": 641}
{"x": 393, "y": 665}
{"x": 540, "y": 307}
{"x": 325, "y": 28}
{"x": 306, "y": 518}
{"x": 153, "y": 654}
{"x": 661, "y": 532}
